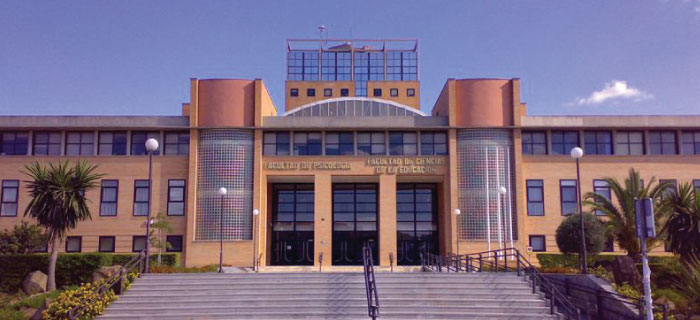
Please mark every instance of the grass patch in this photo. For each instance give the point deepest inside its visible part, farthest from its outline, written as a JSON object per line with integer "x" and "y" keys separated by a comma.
{"x": 11, "y": 304}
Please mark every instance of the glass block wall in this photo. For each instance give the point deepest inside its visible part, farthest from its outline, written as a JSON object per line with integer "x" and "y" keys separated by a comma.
{"x": 225, "y": 159}
{"x": 485, "y": 163}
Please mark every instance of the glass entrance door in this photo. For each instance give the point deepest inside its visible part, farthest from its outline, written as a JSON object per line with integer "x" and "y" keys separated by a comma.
{"x": 293, "y": 224}
{"x": 416, "y": 222}
{"x": 354, "y": 222}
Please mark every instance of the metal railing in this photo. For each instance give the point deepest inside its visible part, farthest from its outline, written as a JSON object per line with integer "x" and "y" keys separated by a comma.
{"x": 370, "y": 284}
{"x": 498, "y": 260}
{"x": 137, "y": 263}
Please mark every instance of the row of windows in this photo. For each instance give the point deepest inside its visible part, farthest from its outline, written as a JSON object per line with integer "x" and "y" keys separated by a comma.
{"x": 568, "y": 195}
{"x": 344, "y": 92}
{"x": 343, "y": 143}
{"x": 338, "y": 66}
{"x": 83, "y": 143}
{"x": 109, "y": 243}
{"x": 109, "y": 196}
{"x": 600, "y": 142}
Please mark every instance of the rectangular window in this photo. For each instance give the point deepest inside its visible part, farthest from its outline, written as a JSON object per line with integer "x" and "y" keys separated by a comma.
{"x": 108, "y": 197}
{"x": 696, "y": 185}
{"x": 535, "y": 197}
{"x": 662, "y": 142}
{"x": 327, "y": 92}
{"x": 402, "y": 65}
{"x": 564, "y": 141}
{"x": 310, "y": 92}
{"x": 609, "y": 244}
{"x": 567, "y": 189}
{"x": 597, "y": 142}
{"x": 629, "y": 143}
{"x": 601, "y": 188}
{"x": 74, "y": 244}
{"x": 176, "y": 197}
{"x": 174, "y": 243}
{"x": 80, "y": 143}
{"x": 339, "y": 143}
{"x": 433, "y": 143}
{"x": 302, "y": 65}
{"x": 138, "y": 142}
{"x": 691, "y": 142}
{"x": 276, "y": 144}
{"x": 294, "y": 92}
{"x": 394, "y": 92}
{"x": 538, "y": 243}
{"x": 112, "y": 143}
{"x": 403, "y": 143}
{"x": 106, "y": 244}
{"x": 371, "y": 143}
{"x": 534, "y": 142}
{"x": 138, "y": 243}
{"x": 141, "y": 197}
{"x": 177, "y": 143}
{"x": 410, "y": 92}
{"x": 10, "y": 192}
{"x": 14, "y": 143}
{"x": 344, "y": 92}
{"x": 47, "y": 143}
{"x": 377, "y": 92}
{"x": 307, "y": 143}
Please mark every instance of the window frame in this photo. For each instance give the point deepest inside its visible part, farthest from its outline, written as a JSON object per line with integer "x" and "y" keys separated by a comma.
{"x": 433, "y": 144}
{"x": 597, "y": 144}
{"x": 544, "y": 242}
{"x": 531, "y": 143}
{"x": 179, "y": 143}
{"x": 696, "y": 185}
{"x": 116, "y": 198}
{"x": 298, "y": 147}
{"x": 662, "y": 143}
{"x": 377, "y": 92}
{"x": 410, "y": 92}
{"x": 16, "y": 136}
{"x": 344, "y": 92}
{"x": 99, "y": 243}
{"x": 48, "y": 144}
{"x": 403, "y": 143}
{"x": 371, "y": 143}
{"x": 564, "y": 144}
{"x": 339, "y": 145}
{"x": 139, "y": 145}
{"x": 628, "y": 143}
{"x": 595, "y": 190}
{"x": 184, "y": 197}
{"x": 327, "y": 92}
{"x": 693, "y": 144}
{"x": 561, "y": 193}
{"x": 394, "y": 92}
{"x": 2, "y": 197}
{"x": 310, "y": 92}
{"x": 276, "y": 144}
{"x": 80, "y": 244}
{"x": 294, "y": 92}
{"x": 133, "y": 243}
{"x": 527, "y": 197}
{"x": 80, "y": 144}
{"x": 148, "y": 202}
{"x": 181, "y": 239}
{"x": 112, "y": 144}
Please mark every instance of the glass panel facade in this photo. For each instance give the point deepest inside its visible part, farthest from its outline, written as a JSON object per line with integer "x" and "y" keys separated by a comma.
{"x": 355, "y": 208}
{"x": 302, "y": 65}
{"x": 416, "y": 222}
{"x": 293, "y": 224}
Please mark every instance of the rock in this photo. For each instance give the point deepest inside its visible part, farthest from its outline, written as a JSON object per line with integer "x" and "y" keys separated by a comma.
{"x": 104, "y": 272}
{"x": 624, "y": 270}
{"x": 35, "y": 282}
{"x": 664, "y": 300}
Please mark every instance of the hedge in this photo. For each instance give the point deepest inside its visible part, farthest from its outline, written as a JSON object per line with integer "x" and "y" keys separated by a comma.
{"x": 553, "y": 260}
{"x": 71, "y": 268}
{"x": 663, "y": 269}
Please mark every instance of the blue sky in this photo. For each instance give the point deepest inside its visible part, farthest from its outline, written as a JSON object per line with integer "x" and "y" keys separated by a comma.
{"x": 136, "y": 57}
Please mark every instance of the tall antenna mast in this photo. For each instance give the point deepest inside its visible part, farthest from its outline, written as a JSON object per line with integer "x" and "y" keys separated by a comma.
{"x": 321, "y": 30}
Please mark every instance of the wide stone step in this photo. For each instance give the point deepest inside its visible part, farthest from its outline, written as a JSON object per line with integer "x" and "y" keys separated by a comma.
{"x": 336, "y": 290}
{"x": 273, "y": 296}
{"x": 321, "y": 285}
{"x": 276, "y": 315}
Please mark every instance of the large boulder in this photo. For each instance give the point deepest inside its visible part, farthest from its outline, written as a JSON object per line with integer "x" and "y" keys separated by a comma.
{"x": 35, "y": 282}
{"x": 104, "y": 272}
{"x": 624, "y": 270}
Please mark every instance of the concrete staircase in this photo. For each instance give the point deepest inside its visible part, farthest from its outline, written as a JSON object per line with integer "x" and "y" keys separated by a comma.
{"x": 329, "y": 296}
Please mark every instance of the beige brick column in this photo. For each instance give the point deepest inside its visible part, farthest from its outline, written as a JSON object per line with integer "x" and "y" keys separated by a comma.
{"x": 387, "y": 218}
{"x": 323, "y": 218}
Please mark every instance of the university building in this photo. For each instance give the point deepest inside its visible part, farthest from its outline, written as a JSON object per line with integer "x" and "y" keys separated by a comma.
{"x": 352, "y": 161}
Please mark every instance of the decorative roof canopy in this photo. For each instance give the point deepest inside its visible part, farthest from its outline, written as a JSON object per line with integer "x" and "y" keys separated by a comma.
{"x": 355, "y": 107}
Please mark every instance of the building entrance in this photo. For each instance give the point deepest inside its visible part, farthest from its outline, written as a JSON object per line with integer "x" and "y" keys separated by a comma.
{"x": 416, "y": 222}
{"x": 354, "y": 222}
{"x": 293, "y": 224}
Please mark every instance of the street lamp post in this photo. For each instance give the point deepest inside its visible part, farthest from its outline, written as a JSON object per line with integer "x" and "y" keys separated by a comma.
{"x": 256, "y": 213}
{"x": 501, "y": 211}
{"x": 457, "y": 213}
{"x": 151, "y": 146}
{"x": 222, "y": 193}
{"x": 577, "y": 153}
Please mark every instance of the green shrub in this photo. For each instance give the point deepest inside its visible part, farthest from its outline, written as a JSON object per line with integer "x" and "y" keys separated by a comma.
{"x": 23, "y": 238}
{"x": 168, "y": 258}
{"x": 568, "y": 234}
{"x": 557, "y": 260}
{"x": 85, "y": 296}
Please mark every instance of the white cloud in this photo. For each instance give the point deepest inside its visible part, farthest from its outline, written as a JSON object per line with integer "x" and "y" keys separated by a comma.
{"x": 615, "y": 89}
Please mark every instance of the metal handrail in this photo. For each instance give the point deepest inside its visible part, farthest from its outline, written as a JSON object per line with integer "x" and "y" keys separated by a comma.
{"x": 137, "y": 261}
{"x": 370, "y": 284}
{"x": 490, "y": 261}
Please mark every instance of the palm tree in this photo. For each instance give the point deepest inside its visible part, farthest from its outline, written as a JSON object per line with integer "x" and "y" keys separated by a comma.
{"x": 682, "y": 228}
{"x": 58, "y": 202}
{"x": 621, "y": 218}
{"x": 687, "y": 284}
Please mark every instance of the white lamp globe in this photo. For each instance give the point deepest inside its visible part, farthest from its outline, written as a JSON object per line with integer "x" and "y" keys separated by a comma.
{"x": 151, "y": 145}
{"x": 576, "y": 153}
{"x": 256, "y": 212}
{"x": 222, "y": 191}
{"x": 458, "y": 212}
{"x": 502, "y": 190}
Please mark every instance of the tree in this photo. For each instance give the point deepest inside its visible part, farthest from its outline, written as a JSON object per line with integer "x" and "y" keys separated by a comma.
{"x": 621, "y": 217}
{"x": 568, "y": 234}
{"x": 682, "y": 228}
{"x": 687, "y": 284}
{"x": 24, "y": 238}
{"x": 160, "y": 227}
{"x": 58, "y": 202}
